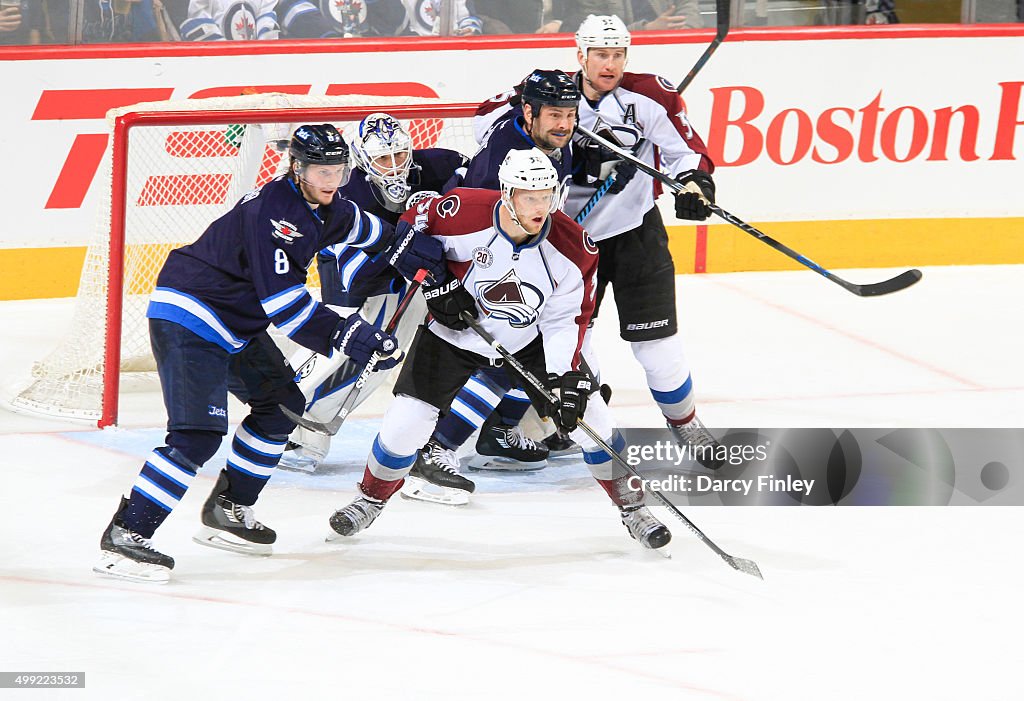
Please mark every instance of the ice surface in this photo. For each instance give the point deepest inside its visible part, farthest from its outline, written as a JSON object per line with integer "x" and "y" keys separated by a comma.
{"x": 534, "y": 590}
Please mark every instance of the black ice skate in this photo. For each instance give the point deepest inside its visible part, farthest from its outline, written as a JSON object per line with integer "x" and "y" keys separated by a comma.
{"x": 501, "y": 447}
{"x": 232, "y": 527}
{"x": 641, "y": 524}
{"x": 357, "y": 516}
{"x": 706, "y": 449}
{"x": 127, "y": 555}
{"x": 561, "y": 446}
{"x": 435, "y": 477}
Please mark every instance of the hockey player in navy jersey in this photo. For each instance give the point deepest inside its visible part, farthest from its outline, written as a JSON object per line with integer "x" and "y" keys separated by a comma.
{"x": 208, "y": 320}
{"x": 387, "y": 173}
{"x": 644, "y": 114}
{"x": 545, "y": 119}
{"x": 527, "y": 272}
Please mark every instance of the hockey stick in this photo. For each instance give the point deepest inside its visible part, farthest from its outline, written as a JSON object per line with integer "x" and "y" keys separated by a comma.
{"x": 595, "y": 198}
{"x": 900, "y": 282}
{"x": 722, "y": 12}
{"x": 334, "y": 425}
{"x": 737, "y": 563}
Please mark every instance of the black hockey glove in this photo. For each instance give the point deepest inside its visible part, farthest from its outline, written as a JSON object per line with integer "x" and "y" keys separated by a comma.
{"x": 413, "y": 250}
{"x": 359, "y": 340}
{"x": 447, "y": 302}
{"x": 573, "y": 389}
{"x": 624, "y": 172}
{"x": 698, "y": 190}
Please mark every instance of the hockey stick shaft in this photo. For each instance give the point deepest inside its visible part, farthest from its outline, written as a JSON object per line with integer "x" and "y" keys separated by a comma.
{"x": 737, "y": 563}
{"x": 334, "y": 425}
{"x": 722, "y": 20}
{"x": 602, "y": 190}
{"x": 901, "y": 281}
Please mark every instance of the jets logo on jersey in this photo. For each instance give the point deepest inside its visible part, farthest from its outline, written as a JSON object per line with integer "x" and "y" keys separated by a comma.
{"x": 239, "y": 22}
{"x": 449, "y": 206}
{"x": 511, "y": 299}
{"x": 285, "y": 231}
{"x": 347, "y": 14}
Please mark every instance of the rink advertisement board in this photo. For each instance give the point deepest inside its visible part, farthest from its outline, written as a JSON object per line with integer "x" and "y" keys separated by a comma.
{"x": 860, "y": 147}
{"x": 832, "y": 467}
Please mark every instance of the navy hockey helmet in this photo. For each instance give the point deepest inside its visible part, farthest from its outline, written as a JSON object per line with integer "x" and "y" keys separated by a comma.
{"x": 318, "y": 144}
{"x": 552, "y": 88}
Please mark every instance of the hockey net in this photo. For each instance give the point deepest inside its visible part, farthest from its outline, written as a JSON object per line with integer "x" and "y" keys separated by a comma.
{"x": 173, "y": 168}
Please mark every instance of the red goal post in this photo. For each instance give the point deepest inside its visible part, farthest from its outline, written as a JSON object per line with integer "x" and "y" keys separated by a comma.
{"x": 174, "y": 168}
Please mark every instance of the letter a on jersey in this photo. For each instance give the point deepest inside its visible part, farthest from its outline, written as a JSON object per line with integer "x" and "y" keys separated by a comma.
{"x": 511, "y": 299}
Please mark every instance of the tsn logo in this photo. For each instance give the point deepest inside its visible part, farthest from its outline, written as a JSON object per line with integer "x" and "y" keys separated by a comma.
{"x": 82, "y": 163}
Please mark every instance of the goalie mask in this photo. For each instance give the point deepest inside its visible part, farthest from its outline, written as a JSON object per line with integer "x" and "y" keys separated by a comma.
{"x": 383, "y": 149}
{"x": 528, "y": 169}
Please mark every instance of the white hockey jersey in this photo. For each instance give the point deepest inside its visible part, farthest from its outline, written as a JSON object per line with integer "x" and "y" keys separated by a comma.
{"x": 545, "y": 286}
{"x": 646, "y": 110}
{"x": 213, "y": 20}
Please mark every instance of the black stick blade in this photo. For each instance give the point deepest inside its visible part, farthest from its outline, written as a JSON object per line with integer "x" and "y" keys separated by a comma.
{"x": 328, "y": 429}
{"x": 900, "y": 282}
{"x": 746, "y": 566}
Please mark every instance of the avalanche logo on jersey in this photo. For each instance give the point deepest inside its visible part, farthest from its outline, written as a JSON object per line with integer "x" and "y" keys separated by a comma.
{"x": 621, "y": 135}
{"x": 239, "y": 22}
{"x": 449, "y": 206}
{"x": 511, "y": 299}
{"x": 285, "y": 231}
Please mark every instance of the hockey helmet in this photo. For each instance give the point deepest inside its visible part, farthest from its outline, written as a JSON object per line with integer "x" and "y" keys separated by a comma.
{"x": 528, "y": 169}
{"x": 383, "y": 149}
{"x": 598, "y": 31}
{"x": 552, "y": 88}
{"x": 318, "y": 144}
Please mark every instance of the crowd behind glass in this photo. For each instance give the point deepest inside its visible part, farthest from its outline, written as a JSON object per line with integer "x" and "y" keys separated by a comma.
{"x": 25, "y": 22}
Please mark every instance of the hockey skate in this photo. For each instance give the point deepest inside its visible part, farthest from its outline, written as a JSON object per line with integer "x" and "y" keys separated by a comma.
{"x": 561, "y": 446}
{"x": 435, "y": 478}
{"x": 232, "y": 527}
{"x": 355, "y": 517}
{"x": 706, "y": 449}
{"x": 506, "y": 448}
{"x": 127, "y": 555}
{"x": 643, "y": 527}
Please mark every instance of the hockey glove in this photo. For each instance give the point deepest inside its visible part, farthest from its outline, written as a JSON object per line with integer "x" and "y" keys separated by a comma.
{"x": 359, "y": 340}
{"x": 447, "y": 302}
{"x": 573, "y": 389}
{"x": 698, "y": 191}
{"x": 413, "y": 250}
{"x": 624, "y": 172}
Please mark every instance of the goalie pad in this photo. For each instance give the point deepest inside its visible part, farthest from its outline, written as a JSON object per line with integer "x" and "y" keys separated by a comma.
{"x": 325, "y": 381}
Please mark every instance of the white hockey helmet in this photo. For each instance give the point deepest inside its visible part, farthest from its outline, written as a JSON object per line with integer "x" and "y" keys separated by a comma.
{"x": 598, "y": 31}
{"x": 528, "y": 169}
{"x": 377, "y": 148}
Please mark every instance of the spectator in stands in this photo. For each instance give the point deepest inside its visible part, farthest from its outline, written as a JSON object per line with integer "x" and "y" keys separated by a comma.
{"x": 25, "y": 22}
{"x": 638, "y": 15}
{"x": 219, "y": 20}
{"x": 111, "y": 21}
{"x": 880, "y": 12}
{"x": 503, "y": 17}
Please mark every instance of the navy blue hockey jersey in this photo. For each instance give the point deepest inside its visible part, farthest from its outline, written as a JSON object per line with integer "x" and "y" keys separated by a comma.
{"x": 360, "y": 275}
{"x": 248, "y": 269}
{"x": 507, "y": 135}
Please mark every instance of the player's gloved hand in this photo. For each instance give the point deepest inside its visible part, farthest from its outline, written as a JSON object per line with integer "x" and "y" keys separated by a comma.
{"x": 573, "y": 389}
{"x": 698, "y": 191}
{"x": 413, "y": 250}
{"x": 624, "y": 172}
{"x": 447, "y": 301}
{"x": 359, "y": 339}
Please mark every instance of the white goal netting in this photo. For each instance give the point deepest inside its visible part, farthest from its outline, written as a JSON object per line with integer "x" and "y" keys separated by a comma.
{"x": 179, "y": 178}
